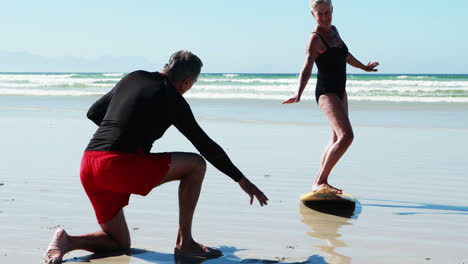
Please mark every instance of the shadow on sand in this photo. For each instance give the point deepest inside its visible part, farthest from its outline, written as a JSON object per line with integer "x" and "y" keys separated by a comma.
{"x": 229, "y": 257}
{"x": 446, "y": 209}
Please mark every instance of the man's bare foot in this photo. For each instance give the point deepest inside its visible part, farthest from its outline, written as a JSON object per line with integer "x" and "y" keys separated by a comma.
{"x": 196, "y": 250}
{"x": 57, "y": 248}
{"x": 317, "y": 187}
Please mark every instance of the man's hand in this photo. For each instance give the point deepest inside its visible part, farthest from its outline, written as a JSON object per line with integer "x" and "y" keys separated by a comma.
{"x": 252, "y": 191}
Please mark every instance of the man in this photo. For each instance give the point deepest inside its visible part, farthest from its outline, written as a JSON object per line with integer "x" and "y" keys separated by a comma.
{"x": 118, "y": 162}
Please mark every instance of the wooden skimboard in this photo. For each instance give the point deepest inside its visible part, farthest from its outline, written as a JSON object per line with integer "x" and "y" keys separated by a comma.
{"x": 326, "y": 199}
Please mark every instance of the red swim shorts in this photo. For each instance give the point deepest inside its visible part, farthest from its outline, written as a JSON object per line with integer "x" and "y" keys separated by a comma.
{"x": 109, "y": 177}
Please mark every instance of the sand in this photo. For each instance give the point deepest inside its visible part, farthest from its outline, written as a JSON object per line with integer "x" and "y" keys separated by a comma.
{"x": 409, "y": 177}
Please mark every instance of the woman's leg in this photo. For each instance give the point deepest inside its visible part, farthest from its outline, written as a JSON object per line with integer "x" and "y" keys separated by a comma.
{"x": 334, "y": 137}
{"x": 327, "y": 149}
{"x": 337, "y": 113}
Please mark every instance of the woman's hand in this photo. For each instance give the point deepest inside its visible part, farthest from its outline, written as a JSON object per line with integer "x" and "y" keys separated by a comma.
{"x": 252, "y": 191}
{"x": 291, "y": 100}
{"x": 370, "y": 67}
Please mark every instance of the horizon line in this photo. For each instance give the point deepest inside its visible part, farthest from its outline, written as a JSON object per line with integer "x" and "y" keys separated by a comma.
{"x": 244, "y": 73}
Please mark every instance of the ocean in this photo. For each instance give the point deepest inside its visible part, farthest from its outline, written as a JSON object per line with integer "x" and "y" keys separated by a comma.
{"x": 429, "y": 88}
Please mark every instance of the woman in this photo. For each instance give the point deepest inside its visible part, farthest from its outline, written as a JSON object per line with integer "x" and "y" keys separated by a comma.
{"x": 329, "y": 52}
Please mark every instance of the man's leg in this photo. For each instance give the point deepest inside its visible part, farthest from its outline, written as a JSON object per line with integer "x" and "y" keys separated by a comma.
{"x": 114, "y": 236}
{"x": 190, "y": 169}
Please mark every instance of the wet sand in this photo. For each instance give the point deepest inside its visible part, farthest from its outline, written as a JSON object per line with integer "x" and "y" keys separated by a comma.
{"x": 409, "y": 179}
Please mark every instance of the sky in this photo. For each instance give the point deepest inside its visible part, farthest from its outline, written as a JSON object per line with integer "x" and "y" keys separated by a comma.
{"x": 242, "y": 36}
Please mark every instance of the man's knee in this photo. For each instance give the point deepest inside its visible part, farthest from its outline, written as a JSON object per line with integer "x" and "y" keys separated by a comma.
{"x": 195, "y": 168}
{"x": 199, "y": 164}
{"x": 125, "y": 245}
{"x": 117, "y": 230}
{"x": 119, "y": 242}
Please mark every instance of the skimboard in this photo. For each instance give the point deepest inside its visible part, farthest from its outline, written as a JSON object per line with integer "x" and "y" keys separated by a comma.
{"x": 326, "y": 199}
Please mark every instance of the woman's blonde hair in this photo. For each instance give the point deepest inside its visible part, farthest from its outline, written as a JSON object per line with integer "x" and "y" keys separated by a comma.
{"x": 314, "y": 3}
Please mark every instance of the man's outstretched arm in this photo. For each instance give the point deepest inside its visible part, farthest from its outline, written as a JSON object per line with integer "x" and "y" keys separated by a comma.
{"x": 185, "y": 122}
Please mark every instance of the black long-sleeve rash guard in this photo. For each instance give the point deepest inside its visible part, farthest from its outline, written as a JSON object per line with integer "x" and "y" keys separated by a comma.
{"x": 137, "y": 112}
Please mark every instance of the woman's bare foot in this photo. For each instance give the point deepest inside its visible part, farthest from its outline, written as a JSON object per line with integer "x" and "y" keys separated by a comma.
{"x": 196, "y": 250}
{"x": 57, "y": 248}
{"x": 317, "y": 187}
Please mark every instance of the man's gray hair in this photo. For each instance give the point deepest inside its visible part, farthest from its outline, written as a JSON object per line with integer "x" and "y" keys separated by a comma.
{"x": 182, "y": 65}
{"x": 314, "y": 3}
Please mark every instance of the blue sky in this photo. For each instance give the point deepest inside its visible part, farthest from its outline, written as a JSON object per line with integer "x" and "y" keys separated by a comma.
{"x": 238, "y": 36}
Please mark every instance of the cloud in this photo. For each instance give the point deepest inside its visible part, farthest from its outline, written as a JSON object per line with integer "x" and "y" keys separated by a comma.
{"x": 27, "y": 62}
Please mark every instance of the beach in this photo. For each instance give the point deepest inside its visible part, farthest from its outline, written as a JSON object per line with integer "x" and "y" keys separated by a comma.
{"x": 407, "y": 167}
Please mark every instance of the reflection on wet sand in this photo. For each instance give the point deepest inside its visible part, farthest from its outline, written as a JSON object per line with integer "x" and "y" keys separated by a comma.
{"x": 325, "y": 226}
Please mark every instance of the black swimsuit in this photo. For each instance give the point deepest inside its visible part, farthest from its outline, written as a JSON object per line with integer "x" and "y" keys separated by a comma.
{"x": 331, "y": 75}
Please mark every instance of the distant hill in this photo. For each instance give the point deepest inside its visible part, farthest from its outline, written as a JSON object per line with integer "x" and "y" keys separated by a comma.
{"x": 27, "y": 62}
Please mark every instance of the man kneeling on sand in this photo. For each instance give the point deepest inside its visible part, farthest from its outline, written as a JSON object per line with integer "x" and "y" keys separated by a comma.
{"x": 118, "y": 162}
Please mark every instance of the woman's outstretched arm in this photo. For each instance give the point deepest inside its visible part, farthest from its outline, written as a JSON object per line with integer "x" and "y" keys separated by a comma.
{"x": 370, "y": 67}
{"x": 306, "y": 72}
